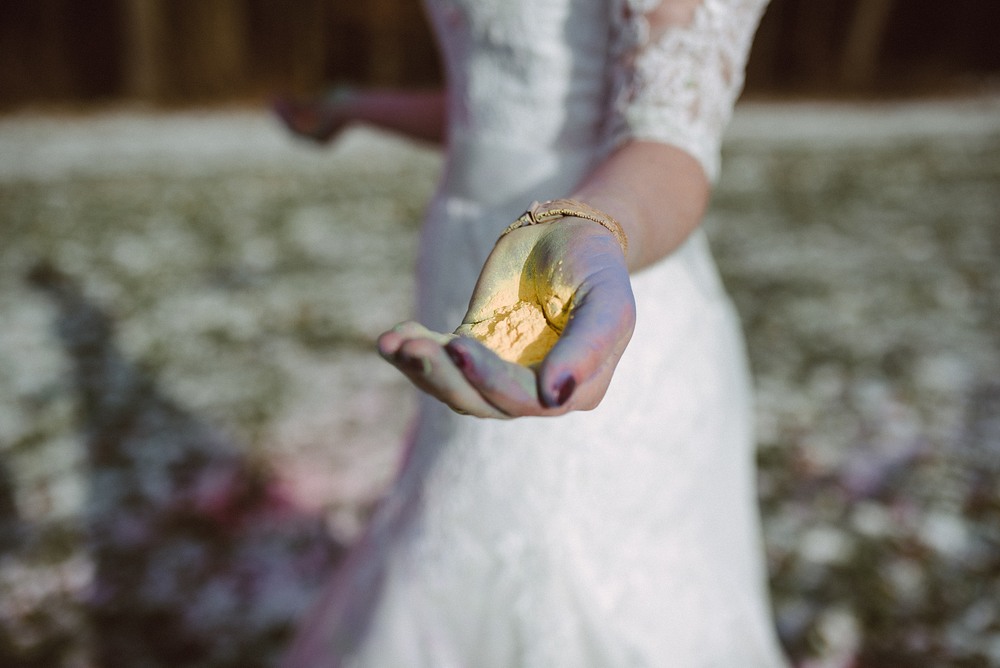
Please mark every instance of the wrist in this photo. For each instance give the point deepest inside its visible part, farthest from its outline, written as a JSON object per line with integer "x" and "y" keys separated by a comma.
{"x": 622, "y": 210}
{"x": 557, "y": 210}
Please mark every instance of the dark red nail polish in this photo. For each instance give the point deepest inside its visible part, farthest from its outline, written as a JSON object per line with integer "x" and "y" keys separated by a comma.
{"x": 459, "y": 357}
{"x": 564, "y": 390}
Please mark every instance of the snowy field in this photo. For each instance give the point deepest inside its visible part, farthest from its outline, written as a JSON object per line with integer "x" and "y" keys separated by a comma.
{"x": 247, "y": 274}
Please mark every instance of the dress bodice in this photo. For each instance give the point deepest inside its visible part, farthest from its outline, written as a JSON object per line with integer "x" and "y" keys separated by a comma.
{"x": 515, "y": 73}
{"x": 573, "y": 74}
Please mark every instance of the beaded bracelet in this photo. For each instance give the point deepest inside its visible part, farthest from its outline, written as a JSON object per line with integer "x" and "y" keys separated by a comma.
{"x": 569, "y": 208}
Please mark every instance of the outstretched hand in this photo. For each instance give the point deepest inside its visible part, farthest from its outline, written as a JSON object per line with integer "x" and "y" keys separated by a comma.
{"x": 574, "y": 271}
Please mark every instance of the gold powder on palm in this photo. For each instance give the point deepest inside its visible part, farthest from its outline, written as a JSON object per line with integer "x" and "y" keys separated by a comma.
{"x": 518, "y": 333}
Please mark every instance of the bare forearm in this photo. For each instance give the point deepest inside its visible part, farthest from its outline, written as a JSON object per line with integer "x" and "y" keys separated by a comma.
{"x": 418, "y": 114}
{"x": 656, "y": 191}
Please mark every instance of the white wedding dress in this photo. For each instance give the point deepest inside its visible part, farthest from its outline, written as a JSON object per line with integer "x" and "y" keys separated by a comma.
{"x": 624, "y": 536}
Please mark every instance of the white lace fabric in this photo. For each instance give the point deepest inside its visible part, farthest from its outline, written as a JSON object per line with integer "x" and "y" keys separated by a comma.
{"x": 677, "y": 83}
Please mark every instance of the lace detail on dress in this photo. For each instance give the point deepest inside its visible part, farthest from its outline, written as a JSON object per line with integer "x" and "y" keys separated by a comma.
{"x": 678, "y": 73}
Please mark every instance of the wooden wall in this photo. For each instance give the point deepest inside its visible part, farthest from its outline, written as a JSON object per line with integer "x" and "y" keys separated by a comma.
{"x": 182, "y": 51}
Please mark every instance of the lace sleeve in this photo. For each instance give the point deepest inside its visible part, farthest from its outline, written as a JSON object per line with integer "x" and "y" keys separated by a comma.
{"x": 679, "y": 67}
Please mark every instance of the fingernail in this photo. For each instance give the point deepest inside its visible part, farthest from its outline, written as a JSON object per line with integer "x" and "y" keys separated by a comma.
{"x": 416, "y": 365}
{"x": 564, "y": 390}
{"x": 458, "y": 357}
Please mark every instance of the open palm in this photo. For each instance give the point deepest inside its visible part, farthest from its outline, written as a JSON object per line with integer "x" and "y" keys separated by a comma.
{"x": 574, "y": 273}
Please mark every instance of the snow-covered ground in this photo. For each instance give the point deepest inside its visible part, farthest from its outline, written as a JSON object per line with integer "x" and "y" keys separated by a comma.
{"x": 249, "y": 273}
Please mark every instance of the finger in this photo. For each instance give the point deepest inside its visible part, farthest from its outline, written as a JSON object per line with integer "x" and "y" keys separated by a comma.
{"x": 389, "y": 342}
{"x": 428, "y": 366}
{"x": 511, "y": 388}
{"x": 601, "y": 321}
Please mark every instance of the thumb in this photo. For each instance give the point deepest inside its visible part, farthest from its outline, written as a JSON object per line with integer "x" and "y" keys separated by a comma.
{"x": 600, "y": 326}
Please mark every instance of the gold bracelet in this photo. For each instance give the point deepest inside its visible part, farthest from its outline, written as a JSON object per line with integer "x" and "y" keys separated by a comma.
{"x": 569, "y": 208}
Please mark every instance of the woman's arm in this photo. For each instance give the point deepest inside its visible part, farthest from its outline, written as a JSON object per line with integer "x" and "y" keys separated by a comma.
{"x": 656, "y": 191}
{"x": 415, "y": 114}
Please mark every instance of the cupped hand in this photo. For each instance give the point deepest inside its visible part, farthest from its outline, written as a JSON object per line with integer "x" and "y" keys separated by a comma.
{"x": 574, "y": 270}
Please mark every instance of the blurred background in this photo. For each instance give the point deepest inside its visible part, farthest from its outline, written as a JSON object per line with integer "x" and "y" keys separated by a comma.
{"x": 193, "y": 421}
{"x": 180, "y": 51}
